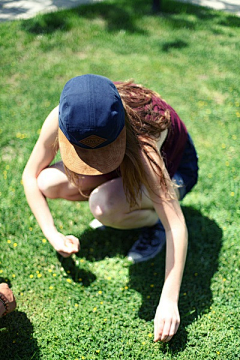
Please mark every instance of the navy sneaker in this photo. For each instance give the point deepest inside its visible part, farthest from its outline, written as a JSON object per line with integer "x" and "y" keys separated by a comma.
{"x": 149, "y": 244}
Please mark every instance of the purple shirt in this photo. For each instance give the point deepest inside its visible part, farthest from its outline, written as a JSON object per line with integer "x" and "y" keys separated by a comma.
{"x": 173, "y": 146}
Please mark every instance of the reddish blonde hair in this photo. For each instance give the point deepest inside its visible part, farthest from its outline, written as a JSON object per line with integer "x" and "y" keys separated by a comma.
{"x": 141, "y": 124}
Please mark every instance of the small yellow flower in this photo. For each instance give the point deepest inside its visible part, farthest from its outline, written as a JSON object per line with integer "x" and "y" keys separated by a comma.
{"x": 224, "y": 279}
{"x": 223, "y": 146}
{"x": 69, "y": 280}
{"x": 13, "y": 275}
{"x": 15, "y": 244}
{"x": 100, "y": 292}
{"x": 1, "y": 271}
{"x": 39, "y": 275}
{"x": 82, "y": 260}
{"x": 30, "y": 229}
{"x": 94, "y": 309}
{"x": 44, "y": 241}
{"x": 9, "y": 241}
{"x": 232, "y": 193}
{"x": 227, "y": 163}
{"x": 98, "y": 351}
{"x": 76, "y": 305}
{"x": 54, "y": 274}
{"x": 126, "y": 287}
{"x": 31, "y": 276}
{"x": 101, "y": 302}
{"x": 201, "y": 103}
{"x": 80, "y": 279}
{"x": 152, "y": 285}
{"x": 148, "y": 297}
{"x": 50, "y": 270}
{"x": 150, "y": 335}
{"x": 50, "y": 287}
{"x": 109, "y": 278}
{"x": 143, "y": 343}
{"x": 105, "y": 319}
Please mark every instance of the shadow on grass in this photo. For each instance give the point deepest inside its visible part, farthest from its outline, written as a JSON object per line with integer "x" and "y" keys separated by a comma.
{"x": 177, "y": 44}
{"x": 77, "y": 274}
{"x": 47, "y": 23}
{"x": 205, "y": 241}
{"x": 16, "y": 338}
{"x": 123, "y": 15}
{"x": 97, "y": 245}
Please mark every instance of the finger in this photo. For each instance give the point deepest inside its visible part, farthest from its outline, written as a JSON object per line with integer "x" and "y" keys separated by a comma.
{"x": 72, "y": 238}
{"x": 64, "y": 254}
{"x": 173, "y": 330}
{"x": 158, "y": 329}
{"x": 166, "y": 330}
{"x": 73, "y": 241}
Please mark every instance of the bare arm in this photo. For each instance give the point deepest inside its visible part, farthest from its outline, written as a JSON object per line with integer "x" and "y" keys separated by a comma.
{"x": 41, "y": 157}
{"x": 167, "y": 318}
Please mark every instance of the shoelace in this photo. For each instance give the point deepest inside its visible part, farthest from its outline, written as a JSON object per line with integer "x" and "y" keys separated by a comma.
{"x": 146, "y": 238}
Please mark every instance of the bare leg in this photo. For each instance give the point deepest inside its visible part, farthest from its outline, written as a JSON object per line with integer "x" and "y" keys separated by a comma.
{"x": 54, "y": 184}
{"x": 108, "y": 204}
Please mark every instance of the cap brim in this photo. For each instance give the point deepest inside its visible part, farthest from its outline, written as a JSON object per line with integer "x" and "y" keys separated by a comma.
{"x": 92, "y": 161}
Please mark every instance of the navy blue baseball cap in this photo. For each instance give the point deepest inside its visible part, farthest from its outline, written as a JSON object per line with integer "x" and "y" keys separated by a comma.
{"x": 92, "y": 132}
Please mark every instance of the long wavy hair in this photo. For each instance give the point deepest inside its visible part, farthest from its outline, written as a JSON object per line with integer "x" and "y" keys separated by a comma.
{"x": 142, "y": 124}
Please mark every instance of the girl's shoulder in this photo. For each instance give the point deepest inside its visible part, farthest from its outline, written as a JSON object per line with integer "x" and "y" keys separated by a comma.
{"x": 49, "y": 131}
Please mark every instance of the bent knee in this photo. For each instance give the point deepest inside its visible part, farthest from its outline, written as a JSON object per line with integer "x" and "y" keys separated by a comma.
{"x": 46, "y": 185}
{"x": 104, "y": 207}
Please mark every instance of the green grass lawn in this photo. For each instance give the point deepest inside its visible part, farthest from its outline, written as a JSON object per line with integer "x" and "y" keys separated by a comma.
{"x": 96, "y": 305}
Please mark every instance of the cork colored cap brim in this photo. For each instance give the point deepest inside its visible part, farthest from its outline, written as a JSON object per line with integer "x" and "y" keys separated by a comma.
{"x": 92, "y": 161}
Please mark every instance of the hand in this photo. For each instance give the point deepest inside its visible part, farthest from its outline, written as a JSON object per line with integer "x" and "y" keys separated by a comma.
{"x": 7, "y": 292}
{"x": 166, "y": 321}
{"x": 65, "y": 245}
